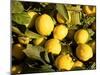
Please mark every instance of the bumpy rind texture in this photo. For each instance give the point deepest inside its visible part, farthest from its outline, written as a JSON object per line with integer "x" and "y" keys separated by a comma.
{"x": 84, "y": 52}
{"x": 53, "y": 46}
{"x": 64, "y": 62}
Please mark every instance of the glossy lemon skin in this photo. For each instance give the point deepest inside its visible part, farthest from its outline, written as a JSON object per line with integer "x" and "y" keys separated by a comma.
{"x": 81, "y": 36}
{"x": 44, "y": 25}
{"x": 60, "y": 32}
{"x": 64, "y": 62}
{"x": 53, "y": 46}
{"x": 84, "y": 52}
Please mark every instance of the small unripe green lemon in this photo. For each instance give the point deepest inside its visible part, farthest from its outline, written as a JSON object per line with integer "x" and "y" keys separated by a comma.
{"x": 53, "y": 46}
{"x": 60, "y": 18}
{"x": 78, "y": 64}
{"x": 60, "y": 32}
{"x": 38, "y": 41}
{"x": 64, "y": 62}
{"x": 84, "y": 52}
{"x": 81, "y": 36}
{"x": 44, "y": 25}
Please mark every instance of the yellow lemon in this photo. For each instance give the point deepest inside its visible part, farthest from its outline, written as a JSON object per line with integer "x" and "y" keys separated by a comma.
{"x": 53, "y": 46}
{"x": 33, "y": 16}
{"x": 60, "y": 32}
{"x": 44, "y": 25}
{"x": 24, "y": 40}
{"x": 89, "y": 10}
{"x": 64, "y": 62}
{"x": 77, "y": 64}
{"x": 84, "y": 52}
{"x": 39, "y": 41}
{"x": 81, "y": 36}
{"x": 17, "y": 51}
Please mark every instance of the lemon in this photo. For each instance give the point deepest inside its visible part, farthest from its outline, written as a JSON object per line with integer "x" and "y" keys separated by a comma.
{"x": 53, "y": 46}
{"x": 89, "y": 10}
{"x": 81, "y": 36}
{"x": 60, "y": 32}
{"x": 60, "y": 18}
{"x": 39, "y": 41}
{"x": 24, "y": 40}
{"x": 64, "y": 62}
{"x": 44, "y": 25}
{"x": 33, "y": 16}
{"x": 78, "y": 64}
{"x": 17, "y": 51}
{"x": 84, "y": 52}
{"x": 16, "y": 69}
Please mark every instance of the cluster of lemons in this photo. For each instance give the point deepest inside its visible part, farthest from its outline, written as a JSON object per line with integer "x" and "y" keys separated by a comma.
{"x": 45, "y": 26}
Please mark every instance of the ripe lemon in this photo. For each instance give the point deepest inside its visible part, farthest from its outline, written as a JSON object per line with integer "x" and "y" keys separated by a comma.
{"x": 60, "y": 32}
{"x": 81, "y": 36}
{"x": 84, "y": 52}
{"x": 89, "y": 10}
{"x": 77, "y": 64}
{"x": 24, "y": 40}
{"x": 44, "y": 25}
{"x": 53, "y": 46}
{"x": 39, "y": 41}
{"x": 64, "y": 62}
{"x": 33, "y": 16}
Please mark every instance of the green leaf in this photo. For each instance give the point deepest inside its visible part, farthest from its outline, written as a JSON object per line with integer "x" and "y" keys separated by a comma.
{"x": 17, "y": 7}
{"x": 88, "y": 20}
{"x": 46, "y": 68}
{"x": 61, "y": 9}
{"x": 21, "y": 18}
{"x": 33, "y": 52}
{"x": 16, "y": 30}
{"x": 41, "y": 69}
{"x": 47, "y": 57}
{"x": 73, "y": 8}
{"x": 75, "y": 18}
{"x": 91, "y": 32}
{"x": 32, "y": 35}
